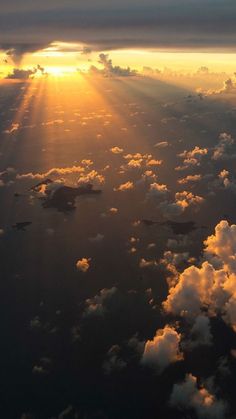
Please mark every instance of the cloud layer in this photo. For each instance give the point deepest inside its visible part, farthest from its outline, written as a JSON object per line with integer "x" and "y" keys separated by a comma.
{"x": 108, "y": 25}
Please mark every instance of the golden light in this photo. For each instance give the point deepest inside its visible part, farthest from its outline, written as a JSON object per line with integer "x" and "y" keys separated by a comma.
{"x": 59, "y": 71}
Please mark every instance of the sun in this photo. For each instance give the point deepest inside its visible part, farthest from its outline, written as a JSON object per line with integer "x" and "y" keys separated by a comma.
{"x": 55, "y": 71}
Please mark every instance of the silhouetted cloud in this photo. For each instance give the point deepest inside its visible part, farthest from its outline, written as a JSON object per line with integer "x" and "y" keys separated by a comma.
{"x": 109, "y": 69}
{"x": 21, "y": 74}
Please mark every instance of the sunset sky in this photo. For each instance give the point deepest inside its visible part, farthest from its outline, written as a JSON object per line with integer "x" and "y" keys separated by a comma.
{"x": 117, "y": 215}
{"x": 183, "y": 34}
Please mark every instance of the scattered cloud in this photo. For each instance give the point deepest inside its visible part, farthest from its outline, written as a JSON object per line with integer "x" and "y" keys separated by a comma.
{"x": 116, "y": 150}
{"x": 163, "y": 349}
{"x": 187, "y": 395}
{"x": 127, "y": 186}
{"x": 83, "y": 264}
{"x": 211, "y": 287}
{"x": 98, "y": 305}
{"x": 109, "y": 70}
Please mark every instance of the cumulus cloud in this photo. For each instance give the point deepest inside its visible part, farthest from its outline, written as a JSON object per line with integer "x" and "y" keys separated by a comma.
{"x": 229, "y": 87}
{"x": 197, "y": 288}
{"x": 134, "y": 164}
{"x": 116, "y": 150}
{"x": 22, "y": 74}
{"x": 109, "y": 69}
{"x": 91, "y": 176}
{"x": 201, "y": 331}
{"x": 98, "y": 305}
{"x": 138, "y": 161}
{"x": 154, "y": 162}
{"x": 172, "y": 258}
{"x": 157, "y": 190}
{"x": 211, "y": 287}
{"x": 183, "y": 200}
{"x": 225, "y": 149}
{"x": 83, "y": 264}
{"x": 187, "y": 395}
{"x": 192, "y": 157}
{"x": 127, "y": 186}
{"x": 163, "y": 349}
{"x": 220, "y": 248}
{"x": 113, "y": 361}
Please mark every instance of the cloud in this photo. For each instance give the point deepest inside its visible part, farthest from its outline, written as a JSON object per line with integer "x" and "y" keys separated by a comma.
{"x": 170, "y": 209}
{"x": 107, "y": 25}
{"x": 183, "y": 200}
{"x": 86, "y": 51}
{"x": 187, "y": 395}
{"x": 109, "y": 69}
{"x": 220, "y": 248}
{"x": 97, "y": 239}
{"x": 190, "y": 179}
{"x": 161, "y": 144}
{"x": 116, "y": 150}
{"x": 225, "y": 149}
{"x": 83, "y": 264}
{"x": 197, "y": 288}
{"x": 201, "y": 332}
{"x": 211, "y": 287}
{"x": 21, "y": 74}
{"x": 134, "y": 164}
{"x": 98, "y": 305}
{"x": 154, "y": 162}
{"x": 147, "y": 263}
{"x": 229, "y": 87}
{"x": 157, "y": 191}
{"x": 192, "y": 157}
{"x": 91, "y": 177}
{"x": 174, "y": 258}
{"x": 113, "y": 361}
{"x": 138, "y": 160}
{"x": 163, "y": 349}
{"x": 55, "y": 171}
{"x": 125, "y": 187}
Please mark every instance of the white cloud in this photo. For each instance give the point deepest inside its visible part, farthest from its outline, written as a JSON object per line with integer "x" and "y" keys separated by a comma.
{"x": 163, "y": 349}
{"x": 212, "y": 286}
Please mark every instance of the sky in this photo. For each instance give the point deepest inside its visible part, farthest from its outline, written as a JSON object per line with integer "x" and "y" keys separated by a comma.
{"x": 117, "y": 215}
{"x": 156, "y": 29}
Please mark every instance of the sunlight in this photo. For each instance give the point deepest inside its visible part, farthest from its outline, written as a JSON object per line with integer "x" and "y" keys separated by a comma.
{"x": 59, "y": 71}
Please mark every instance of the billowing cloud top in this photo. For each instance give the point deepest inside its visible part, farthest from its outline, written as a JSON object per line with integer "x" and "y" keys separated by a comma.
{"x": 107, "y": 24}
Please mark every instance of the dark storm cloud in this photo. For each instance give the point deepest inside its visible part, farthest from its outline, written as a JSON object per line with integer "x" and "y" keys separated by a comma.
{"x": 104, "y": 25}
